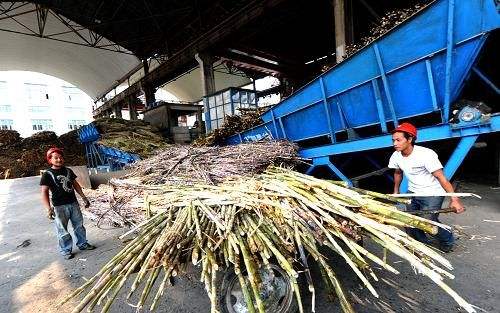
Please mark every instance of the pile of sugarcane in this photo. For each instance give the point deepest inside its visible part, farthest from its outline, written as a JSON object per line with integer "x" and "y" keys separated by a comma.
{"x": 133, "y": 136}
{"x": 121, "y": 202}
{"x": 115, "y": 208}
{"x": 388, "y": 21}
{"x": 278, "y": 216}
{"x": 187, "y": 165}
{"x": 233, "y": 124}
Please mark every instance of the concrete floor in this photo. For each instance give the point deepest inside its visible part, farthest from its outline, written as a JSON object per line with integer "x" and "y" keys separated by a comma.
{"x": 34, "y": 278}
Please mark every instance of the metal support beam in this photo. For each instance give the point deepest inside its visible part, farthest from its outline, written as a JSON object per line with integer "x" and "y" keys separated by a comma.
{"x": 486, "y": 80}
{"x": 274, "y": 124}
{"x": 325, "y": 161}
{"x": 449, "y": 54}
{"x": 430, "y": 79}
{"x": 340, "y": 34}
{"x": 432, "y": 133}
{"x": 458, "y": 156}
{"x": 149, "y": 94}
{"x": 385, "y": 82}
{"x": 131, "y": 109}
{"x": 206, "y": 62}
{"x": 380, "y": 106}
{"x": 117, "y": 109}
{"x": 145, "y": 65}
{"x": 327, "y": 110}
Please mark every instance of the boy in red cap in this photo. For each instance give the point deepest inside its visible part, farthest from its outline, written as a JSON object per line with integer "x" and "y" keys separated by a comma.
{"x": 424, "y": 172}
{"x": 61, "y": 183}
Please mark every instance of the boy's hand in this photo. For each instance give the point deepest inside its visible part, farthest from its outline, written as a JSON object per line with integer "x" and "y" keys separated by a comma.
{"x": 50, "y": 213}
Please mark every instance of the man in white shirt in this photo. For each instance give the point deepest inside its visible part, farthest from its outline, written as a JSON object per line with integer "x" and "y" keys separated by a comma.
{"x": 424, "y": 172}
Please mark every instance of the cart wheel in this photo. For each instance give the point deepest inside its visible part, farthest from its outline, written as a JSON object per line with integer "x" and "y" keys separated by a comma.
{"x": 276, "y": 292}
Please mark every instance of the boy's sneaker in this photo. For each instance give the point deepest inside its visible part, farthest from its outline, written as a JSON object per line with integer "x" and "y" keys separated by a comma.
{"x": 446, "y": 248}
{"x": 87, "y": 246}
{"x": 68, "y": 256}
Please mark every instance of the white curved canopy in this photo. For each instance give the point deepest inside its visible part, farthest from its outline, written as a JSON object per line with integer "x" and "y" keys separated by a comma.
{"x": 90, "y": 69}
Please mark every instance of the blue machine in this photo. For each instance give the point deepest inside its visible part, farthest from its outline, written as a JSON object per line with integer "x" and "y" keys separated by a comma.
{"x": 418, "y": 68}
{"x": 101, "y": 157}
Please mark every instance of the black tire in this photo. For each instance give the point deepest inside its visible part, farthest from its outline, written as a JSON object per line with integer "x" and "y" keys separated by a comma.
{"x": 230, "y": 303}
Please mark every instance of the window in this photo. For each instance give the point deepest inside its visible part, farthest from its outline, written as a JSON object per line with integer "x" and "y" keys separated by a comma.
{"x": 6, "y": 124}
{"x": 72, "y": 94}
{"x": 37, "y": 94}
{"x": 75, "y": 111}
{"x": 5, "y": 108}
{"x": 3, "y": 95}
{"x": 41, "y": 125}
{"x": 75, "y": 124}
{"x": 38, "y": 109}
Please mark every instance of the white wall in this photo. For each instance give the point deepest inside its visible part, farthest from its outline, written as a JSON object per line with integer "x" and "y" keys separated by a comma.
{"x": 61, "y": 109}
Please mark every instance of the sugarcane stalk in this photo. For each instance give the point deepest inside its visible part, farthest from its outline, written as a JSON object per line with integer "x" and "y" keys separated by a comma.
{"x": 124, "y": 277}
{"x": 161, "y": 289}
{"x": 244, "y": 288}
{"x": 303, "y": 258}
{"x": 252, "y": 274}
{"x": 147, "y": 288}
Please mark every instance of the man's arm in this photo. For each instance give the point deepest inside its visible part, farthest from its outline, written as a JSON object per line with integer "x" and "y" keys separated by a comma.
{"x": 79, "y": 190}
{"x": 46, "y": 202}
{"x": 398, "y": 177}
{"x": 454, "y": 202}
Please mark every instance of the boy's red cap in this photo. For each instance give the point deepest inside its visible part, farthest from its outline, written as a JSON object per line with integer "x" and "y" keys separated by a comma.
{"x": 407, "y": 128}
{"x": 52, "y": 150}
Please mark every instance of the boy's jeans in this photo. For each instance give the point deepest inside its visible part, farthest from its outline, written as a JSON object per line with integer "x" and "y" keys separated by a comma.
{"x": 64, "y": 213}
{"x": 445, "y": 237}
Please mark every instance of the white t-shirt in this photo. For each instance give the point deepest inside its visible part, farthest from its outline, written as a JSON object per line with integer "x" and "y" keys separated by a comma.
{"x": 418, "y": 168}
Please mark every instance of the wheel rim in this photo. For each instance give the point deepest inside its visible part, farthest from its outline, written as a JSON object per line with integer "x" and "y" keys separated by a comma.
{"x": 276, "y": 292}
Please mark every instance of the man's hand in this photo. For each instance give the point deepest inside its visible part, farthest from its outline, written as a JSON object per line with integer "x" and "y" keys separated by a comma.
{"x": 50, "y": 213}
{"x": 86, "y": 202}
{"x": 456, "y": 205}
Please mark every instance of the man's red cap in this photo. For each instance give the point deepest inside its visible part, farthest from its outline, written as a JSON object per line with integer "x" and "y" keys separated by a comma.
{"x": 52, "y": 150}
{"x": 407, "y": 128}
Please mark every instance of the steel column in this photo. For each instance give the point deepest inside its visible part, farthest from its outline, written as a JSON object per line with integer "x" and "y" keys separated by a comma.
{"x": 340, "y": 38}
{"x": 486, "y": 80}
{"x": 207, "y": 72}
{"x": 458, "y": 156}
{"x": 274, "y": 124}
{"x": 327, "y": 110}
{"x": 380, "y": 107}
{"x": 386, "y": 84}
{"x": 449, "y": 52}
{"x": 432, "y": 88}
{"x": 343, "y": 120}
{"x": 282, "y": 127}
